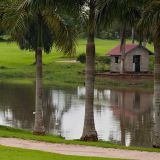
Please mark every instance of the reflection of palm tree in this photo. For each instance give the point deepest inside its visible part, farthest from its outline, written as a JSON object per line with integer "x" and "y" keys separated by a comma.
{"x": 141, "y": 130}
{"x": 134, "y": 113}
{"x": 156, "y": 129}
{"x": 122, "y": 119}
{"x": 56, "y": 103}
{"x": 150, "y": 20}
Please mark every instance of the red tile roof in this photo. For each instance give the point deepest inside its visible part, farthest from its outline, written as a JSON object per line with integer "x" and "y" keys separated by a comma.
{"x": 116, "y": 51}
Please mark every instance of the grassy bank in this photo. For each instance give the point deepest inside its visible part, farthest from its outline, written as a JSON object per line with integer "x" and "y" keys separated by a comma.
{"x": 16, "y": 64}
{"x": 8, "y": 153}
{"x": 17, "y": 133}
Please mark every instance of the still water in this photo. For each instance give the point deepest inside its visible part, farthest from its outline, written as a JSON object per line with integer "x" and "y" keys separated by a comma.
{"x": 121, "y": 116}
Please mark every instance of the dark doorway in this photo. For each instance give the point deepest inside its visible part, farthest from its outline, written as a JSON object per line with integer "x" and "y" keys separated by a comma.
{"x": 136, "y": 61}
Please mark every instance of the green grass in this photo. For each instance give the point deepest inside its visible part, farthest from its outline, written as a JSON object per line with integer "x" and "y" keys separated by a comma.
{"x": 102, "y": 46}
{"x": 18, "y": 133}
{"x": 16, "y": 64}
{"x": 12, "y": 56}
{"x": 8, "y": 153}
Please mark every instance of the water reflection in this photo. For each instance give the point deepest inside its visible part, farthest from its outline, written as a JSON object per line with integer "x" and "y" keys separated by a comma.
{"x": 120, "y": 116}
{"x": 156, "y": 114}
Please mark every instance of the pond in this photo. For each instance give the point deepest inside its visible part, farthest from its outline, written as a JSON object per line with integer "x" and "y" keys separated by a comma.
{"x": 121, "y": 116}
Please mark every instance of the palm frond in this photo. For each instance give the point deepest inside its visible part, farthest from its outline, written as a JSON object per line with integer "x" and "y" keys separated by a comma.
{"x": 65, "y": 35}
{"x": 15, "y": 20}
{"x": 151, "y": 18}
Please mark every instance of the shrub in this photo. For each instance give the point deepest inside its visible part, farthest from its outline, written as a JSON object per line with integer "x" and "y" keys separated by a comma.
{"x": 151, "y": 64}
{"x": 103, "y": 64}
{"x": 82, "y": 58}
{"x": 101, "y": 67}
{"x": 103, "y": 60}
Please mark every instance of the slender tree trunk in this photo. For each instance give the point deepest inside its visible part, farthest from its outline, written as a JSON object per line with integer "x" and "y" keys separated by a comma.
{"x": 133, "y": 36}
{"x": 122, "y": 49}
{"x": 35, "y": 59}
{"x": 39, "y": 124}
{"x": 122, "y": 120}
{"x": 89, "y": 131}
{"x": 144, "y": 43}
{"x": 39, "y": 128}
{"x": 156, "y": 102}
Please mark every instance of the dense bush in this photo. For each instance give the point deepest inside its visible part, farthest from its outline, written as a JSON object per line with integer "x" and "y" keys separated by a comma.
{"x": 99, "y": 59}
{"x": 82, "y": 58}
{"x": 102, "y": 62}
{"x": 108, "y": 35}
{"x": 151, "y": 64}
{"x": 103, "y": 59}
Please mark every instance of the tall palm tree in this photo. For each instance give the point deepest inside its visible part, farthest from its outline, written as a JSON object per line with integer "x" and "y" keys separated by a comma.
{"x": 150, "y": 21}
{"x": 23, "y": 16}
{"x": 126, "y": 12}
{"x": 89, "y": 131}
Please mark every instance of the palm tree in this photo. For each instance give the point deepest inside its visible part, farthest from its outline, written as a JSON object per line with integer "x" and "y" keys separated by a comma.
{"x": 89, "y": 131}
{"x": 150, "y": 21}
{"x": 126, "y": 12}
{"x": 23, "y": 16}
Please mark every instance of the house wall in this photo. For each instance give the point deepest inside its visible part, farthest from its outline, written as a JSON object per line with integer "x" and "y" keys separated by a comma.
{"x": 129, "y": 65}
{"x": 144, "y": 60}
{"x": 115, "y": 67}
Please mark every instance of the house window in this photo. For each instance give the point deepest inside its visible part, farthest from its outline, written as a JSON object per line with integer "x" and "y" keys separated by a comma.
{"x": 116, "y": 59}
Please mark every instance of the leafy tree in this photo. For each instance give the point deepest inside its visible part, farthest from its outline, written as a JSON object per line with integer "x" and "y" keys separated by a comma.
{"x": 37, "y": 25}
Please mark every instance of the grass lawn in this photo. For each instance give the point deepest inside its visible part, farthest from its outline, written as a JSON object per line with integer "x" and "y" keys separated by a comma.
{"x": 12, "y": 56}
{"x": 16, "y": 64}
{"x": 8, "y": 153}
{"x": 18, "y": 133}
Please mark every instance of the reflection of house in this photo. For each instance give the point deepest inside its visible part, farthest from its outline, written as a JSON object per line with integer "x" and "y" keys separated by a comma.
{"x": 136, "y": 58}
{"x": 133, "y": 103}
{"x": 133, "y": 110}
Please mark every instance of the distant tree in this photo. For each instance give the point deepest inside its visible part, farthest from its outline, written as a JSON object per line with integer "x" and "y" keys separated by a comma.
{"x": 126, "y": 12}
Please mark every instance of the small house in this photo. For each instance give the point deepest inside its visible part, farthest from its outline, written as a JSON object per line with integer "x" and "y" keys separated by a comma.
{"x": 136, "y": 59}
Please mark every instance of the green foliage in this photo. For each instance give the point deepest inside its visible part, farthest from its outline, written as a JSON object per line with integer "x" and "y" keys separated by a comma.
{"x": 103, "y": 59}
{"x": 108, "y": 35}
{"x": 19, "y": 66}
{"x": 103, "y": 63}
{"x": 101, "y": 68}
{"x": 35, "y": 24}
{"x": 82, "y": 58}
{"x": 151, "y": 63}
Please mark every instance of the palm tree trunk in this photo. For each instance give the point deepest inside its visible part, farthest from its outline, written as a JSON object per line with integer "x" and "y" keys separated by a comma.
{"x": 89, "y": 131}
{"x": 156, "y": 102}
{"x": 39, "y": 124}
{"x": 122, "y": 48}
{"x": 39, "y": 128}
{"x": 133, "y": 36}
{"x": 122, "y": 120}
